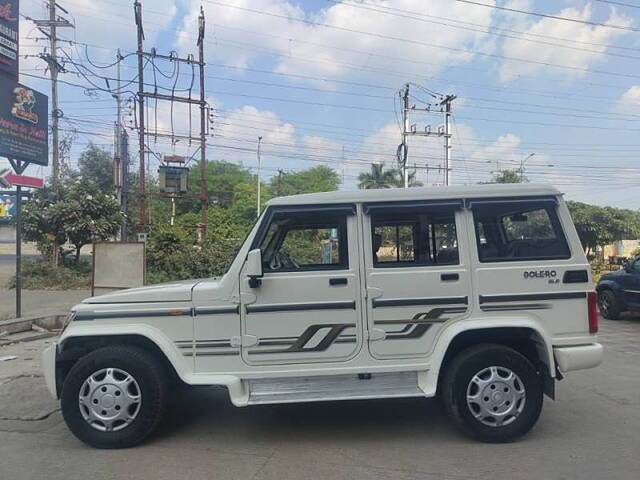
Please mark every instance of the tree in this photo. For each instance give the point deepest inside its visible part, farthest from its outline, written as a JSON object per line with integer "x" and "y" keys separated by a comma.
{"x": 96, "y": 166}
{"x": 378, "y": 177}
{"x": 315, "y": 179}
{"x": 599, "y": 226}
{"x": 509, "y": 176}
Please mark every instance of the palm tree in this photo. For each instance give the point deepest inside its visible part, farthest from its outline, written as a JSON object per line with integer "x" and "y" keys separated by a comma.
{"x": 378, "y": 177}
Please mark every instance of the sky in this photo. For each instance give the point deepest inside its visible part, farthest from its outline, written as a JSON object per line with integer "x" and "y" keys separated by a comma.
{"x": 319, "y": 81}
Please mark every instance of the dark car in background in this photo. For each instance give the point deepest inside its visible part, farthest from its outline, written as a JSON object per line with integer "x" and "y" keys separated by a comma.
{"x": 620, "y": 291}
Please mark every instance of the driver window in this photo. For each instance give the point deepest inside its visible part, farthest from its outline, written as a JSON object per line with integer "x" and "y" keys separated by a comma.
{"x": 300, "y": 243}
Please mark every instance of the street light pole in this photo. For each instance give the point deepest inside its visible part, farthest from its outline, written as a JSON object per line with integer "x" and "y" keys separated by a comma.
{"x": 258, "y": 200}
{"x": 522, "y": 162}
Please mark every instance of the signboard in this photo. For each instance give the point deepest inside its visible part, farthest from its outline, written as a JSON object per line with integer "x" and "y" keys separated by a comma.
{"x": 9, "y": 34}
{"x": 7, "y": 208}
{"x": 173, "y": 179}
{"x": 117, "y": 266}
{"x": 24, "y": 123}
{"x": 9, "y": 179}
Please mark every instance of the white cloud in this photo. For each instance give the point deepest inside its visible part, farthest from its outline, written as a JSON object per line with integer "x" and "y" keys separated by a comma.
{"x": 583, "y": 58}
{"x": 629, "y": 102}
{"x": 316, "y": 51}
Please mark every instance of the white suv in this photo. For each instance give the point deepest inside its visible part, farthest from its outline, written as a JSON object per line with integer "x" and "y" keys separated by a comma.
{"x": 481, "y": 294}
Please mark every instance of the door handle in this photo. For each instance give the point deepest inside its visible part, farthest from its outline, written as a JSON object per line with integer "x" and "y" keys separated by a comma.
{"x": 449, "y": 277}
{"x": 337, "y": 281}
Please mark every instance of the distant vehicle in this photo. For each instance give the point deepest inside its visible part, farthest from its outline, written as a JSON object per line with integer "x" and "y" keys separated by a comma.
{"x": 619, "y": 291}
{"x": 481, "y": 294}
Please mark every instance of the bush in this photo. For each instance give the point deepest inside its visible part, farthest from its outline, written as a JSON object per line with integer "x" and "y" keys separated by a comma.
{"x": 41, "y": 275}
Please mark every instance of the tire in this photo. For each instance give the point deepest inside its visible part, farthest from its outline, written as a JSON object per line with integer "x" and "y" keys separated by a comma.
{"x": 608, "y": 305}
{"x": 514, "y": 415}
{"x": 132, "y": 408}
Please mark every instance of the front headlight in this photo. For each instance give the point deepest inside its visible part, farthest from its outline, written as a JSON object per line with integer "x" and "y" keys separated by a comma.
{"x": 67, "y": 321}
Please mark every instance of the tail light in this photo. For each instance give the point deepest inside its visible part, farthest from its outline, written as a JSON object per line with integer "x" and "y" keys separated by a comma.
{"x": 592, "y": 305}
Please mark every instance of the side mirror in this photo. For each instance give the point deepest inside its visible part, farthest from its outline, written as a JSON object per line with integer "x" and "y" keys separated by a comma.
{"x": 254, "y": 268}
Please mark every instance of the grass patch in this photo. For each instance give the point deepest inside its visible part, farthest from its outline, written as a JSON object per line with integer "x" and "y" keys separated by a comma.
{"x": 41, "y": 275}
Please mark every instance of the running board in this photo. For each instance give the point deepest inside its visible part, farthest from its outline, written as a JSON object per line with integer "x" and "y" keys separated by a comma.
{"x": 334, "y": 387}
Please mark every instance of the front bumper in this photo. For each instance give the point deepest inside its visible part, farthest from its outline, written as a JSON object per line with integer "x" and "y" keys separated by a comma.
{"x": 578, "y": 357}
{"x": 49, "y": 368}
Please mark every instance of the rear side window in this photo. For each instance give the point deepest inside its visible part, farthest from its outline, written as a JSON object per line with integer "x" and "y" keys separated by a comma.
{"x": 409, "y": 237}
{"x": 513, "y": 231}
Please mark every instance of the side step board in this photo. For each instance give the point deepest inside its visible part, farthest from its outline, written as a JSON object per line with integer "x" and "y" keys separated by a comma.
{"x": 334, "y": 387}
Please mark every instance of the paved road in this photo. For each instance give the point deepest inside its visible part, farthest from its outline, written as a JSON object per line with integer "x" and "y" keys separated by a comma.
{"x": 590, "y": 432}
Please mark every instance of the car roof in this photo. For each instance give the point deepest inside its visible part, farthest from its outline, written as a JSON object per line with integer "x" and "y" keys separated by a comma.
{"x": 420, "y": 193}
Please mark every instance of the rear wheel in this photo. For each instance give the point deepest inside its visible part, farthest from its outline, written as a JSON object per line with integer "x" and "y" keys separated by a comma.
{"x": 608, "y": 305}
{"x": 492, "y": 393}
{"x": 114, "y": 397}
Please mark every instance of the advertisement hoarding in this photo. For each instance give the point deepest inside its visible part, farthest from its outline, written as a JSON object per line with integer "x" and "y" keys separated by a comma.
{"x": 24, "y": 133}
{"x": 9, "y": 35}
{"x": 7, "y": 208}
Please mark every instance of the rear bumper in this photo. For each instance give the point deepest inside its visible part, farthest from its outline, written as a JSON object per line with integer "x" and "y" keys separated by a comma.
{"x": 49, "y": 368}
{"x": 578, "y": 357}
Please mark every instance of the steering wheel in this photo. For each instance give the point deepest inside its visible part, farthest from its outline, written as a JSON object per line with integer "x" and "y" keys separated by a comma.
{"x": 282, "y": 260}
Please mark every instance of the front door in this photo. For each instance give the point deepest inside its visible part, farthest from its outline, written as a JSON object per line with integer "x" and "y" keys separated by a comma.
{"x": 307, "y": 307}
{"x": 631, "y": 285}
{"x": 417, "y": 276}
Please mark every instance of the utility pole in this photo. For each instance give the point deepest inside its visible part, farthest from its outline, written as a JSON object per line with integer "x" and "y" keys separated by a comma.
{"x": 446, "y": 102}
{"x": 49, "y": 28}
{"x": 141, "y": 134}
{"x": 118, "y": 160}
{"x": 258, "y": 200}
{"x": 522, "y": 162}
{"x": 405, "y": 134}
{"x": 203, "y": 140}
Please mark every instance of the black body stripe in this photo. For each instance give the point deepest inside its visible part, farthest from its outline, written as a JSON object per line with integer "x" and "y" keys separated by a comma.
{"x": 508, "y": 308}
{"x": 174, "y": 312}
{"x": 531, "y": 296}
{"x": 217, "y": 310}
{"x": 292, "y": 307}
{"x": 401, "y": 302}
{"x": 298, "y": 346}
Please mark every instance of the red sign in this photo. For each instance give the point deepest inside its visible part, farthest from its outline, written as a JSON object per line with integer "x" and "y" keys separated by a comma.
{"x": 9, "y": 179}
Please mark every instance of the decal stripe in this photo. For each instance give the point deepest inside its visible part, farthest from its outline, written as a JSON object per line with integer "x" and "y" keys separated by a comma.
{"x": 531, "y": 296}
{"x": 216, "y": 310}
{"x": 506, "y": 308}
{"x": 298, "y": 346}
{"x": 133, "y": 314}
{"x": 401, "y": 302}
{"x": 291, "y": 307}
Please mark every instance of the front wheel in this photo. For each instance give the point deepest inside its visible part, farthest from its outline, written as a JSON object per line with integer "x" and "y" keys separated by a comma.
{"x": 492, "y": 393}
{"x": 114, "y": 397}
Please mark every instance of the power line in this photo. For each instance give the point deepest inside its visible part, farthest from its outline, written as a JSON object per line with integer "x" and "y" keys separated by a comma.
{"x": 554, "y": 17}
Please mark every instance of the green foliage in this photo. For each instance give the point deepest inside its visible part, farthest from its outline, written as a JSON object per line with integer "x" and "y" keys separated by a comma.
{"x": 378, "y": 177}
{"x": 41, "y": 275}
{"x": 96, "y": 166}
{"x": 599, "y": 226}
{"x": 311, "y": 180}
{"x": 509, "y": 176}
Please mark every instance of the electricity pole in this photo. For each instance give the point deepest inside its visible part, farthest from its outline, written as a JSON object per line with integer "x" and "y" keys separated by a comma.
{"x": 49, "y": 28}
{"x": 258, "y": 200}
{"x": 141, "y": 134}
{"x": 447, "y": 136}
{"x": 203, "y": 140}
{"x": 405, "y": 134}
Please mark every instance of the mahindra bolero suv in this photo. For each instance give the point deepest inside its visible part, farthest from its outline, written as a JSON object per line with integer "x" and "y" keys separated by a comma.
{"x": 479, "y": 294}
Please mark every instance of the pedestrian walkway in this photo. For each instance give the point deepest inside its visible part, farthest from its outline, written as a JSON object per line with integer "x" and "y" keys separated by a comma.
{"x": 35, "y": 302}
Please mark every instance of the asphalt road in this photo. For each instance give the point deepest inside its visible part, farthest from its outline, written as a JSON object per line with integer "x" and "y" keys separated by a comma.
{"x": 591, "y": 431}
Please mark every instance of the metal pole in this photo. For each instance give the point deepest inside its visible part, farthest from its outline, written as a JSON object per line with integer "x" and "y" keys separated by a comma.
{"x": 53, "y": 66}
{"x": 19, "y": 252}
{"x": 447, "y": 139}
{"x": 203, "y": 140}
{"x": 405, "y": 135}
{"x": 141, "y": 135}
{"x": 258, "y": 200}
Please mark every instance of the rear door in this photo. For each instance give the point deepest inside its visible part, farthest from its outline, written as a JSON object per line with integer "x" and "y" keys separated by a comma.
{"x": 526, "y": 263}
{"x": 417, "y": 274}
{"x": 308, "y": 306}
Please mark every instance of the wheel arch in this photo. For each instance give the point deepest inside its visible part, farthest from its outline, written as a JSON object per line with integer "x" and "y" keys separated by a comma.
{"x": 74, "y": 347}
{"x": 523, "y": 336}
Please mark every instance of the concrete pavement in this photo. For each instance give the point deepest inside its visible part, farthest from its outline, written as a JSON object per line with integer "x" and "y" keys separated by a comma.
{"x": 590, "y": 432}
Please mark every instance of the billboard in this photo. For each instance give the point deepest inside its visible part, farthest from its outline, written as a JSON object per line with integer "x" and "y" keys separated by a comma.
{"x": 24, "y": 131}
{"x": 7, "y": 208}
{"x": 9, "y": 34}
